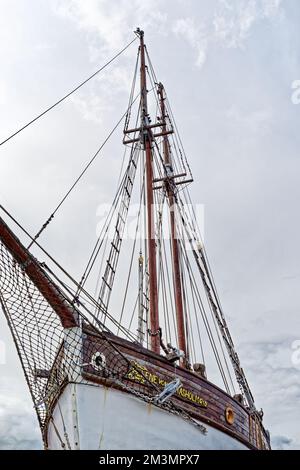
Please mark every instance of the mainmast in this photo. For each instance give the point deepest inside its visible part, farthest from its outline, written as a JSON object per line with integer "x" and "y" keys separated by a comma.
{"x": 141, "y": 299}
{"x": 174, "y": 239}
{"x": 146, "y": 138}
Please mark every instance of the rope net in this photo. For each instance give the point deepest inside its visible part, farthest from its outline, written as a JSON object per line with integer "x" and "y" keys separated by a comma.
{"x": 36, "y": 329}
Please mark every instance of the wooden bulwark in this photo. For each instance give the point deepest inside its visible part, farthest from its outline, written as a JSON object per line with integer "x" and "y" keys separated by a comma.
{"x": 145, "y": 371}
{"x": 53, "y": 295}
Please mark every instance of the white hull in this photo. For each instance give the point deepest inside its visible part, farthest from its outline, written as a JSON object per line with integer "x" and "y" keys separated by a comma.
{"x": 95, "y": 417}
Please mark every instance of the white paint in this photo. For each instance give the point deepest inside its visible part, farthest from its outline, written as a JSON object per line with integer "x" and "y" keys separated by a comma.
{"x": 110, "y": 419}
{"x": 75, "y": 417}
{"x": 73, "y": 351}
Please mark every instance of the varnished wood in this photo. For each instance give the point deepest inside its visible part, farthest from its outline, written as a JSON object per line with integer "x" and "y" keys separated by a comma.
{"x": 253, "y": 435}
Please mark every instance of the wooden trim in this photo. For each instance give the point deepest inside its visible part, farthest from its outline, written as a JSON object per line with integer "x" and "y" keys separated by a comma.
{"x": 196, "y": 387}
{"x": 51, "y": 293}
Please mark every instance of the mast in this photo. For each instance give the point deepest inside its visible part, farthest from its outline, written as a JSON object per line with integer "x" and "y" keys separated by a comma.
{"x": 141, "y": 306}
{"x": 146, "y": 137}
{"x": 174, "y": 240}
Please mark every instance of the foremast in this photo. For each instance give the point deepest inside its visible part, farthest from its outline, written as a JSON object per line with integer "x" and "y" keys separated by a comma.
{"x": 146, "y": 139}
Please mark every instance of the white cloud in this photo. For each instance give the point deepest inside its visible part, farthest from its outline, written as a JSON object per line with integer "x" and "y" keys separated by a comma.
{"x": 95, "y": 104}
{"x": 279, "y": 385}
{"x": 108, "y": 24}
{"x": 281, "y": 443}
{"x": 91, "y": 108}
{"x": 272, "y": 8}
{"x": 19, "y": 427}
{"x": 233, "y": 21}
{"x": 108, "y": 27}
{"x": 229, "y": 25}
{"x": 194, "y": 35}
{"x": 232, "y": 26}
{"x": 3, "y": 92}
{"x": 255, "y": 121}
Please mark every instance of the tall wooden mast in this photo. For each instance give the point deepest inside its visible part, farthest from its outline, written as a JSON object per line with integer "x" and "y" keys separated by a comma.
{"x": 174, "y": 239}
{"x": 146, "y": 137}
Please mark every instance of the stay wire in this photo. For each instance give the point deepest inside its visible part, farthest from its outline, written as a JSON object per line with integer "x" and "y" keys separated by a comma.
{"x": 80, "y": 176}
{"x": 68, "y": 94}
{"x": 59, "y": 266}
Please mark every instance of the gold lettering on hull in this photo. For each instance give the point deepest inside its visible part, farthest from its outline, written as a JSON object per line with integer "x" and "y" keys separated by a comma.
{"x": 141, "y": 378}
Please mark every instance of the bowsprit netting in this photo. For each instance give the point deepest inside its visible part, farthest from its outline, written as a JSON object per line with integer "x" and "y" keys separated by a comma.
{"x": 51, "y": 354}
{"x": 36, "y": 329}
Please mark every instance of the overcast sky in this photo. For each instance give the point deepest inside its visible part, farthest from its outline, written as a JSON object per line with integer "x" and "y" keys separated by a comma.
{"x": 229, "y": 67}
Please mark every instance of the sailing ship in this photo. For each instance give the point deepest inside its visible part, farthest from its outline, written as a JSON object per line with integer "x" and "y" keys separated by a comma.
{"x": 147, "y": 361}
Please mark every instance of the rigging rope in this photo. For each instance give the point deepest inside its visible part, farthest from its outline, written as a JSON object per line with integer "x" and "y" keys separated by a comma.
{"x": 45, "y": 225}
{"x": 186, "y": 217}
{"x": 102, "y": 236}
{"x": 131, "y": 259}
{"x": 85, "y": 292}
{"x": 68, "y": 94}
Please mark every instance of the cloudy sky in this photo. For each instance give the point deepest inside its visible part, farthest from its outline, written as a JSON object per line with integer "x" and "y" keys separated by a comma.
{"x": 229, "y": 67}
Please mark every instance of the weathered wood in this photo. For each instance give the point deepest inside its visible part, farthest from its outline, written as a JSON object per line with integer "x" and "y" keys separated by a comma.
{"x": 148, "y": 372}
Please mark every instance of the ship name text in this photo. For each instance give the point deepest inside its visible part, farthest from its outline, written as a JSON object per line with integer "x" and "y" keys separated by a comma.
{"x": 145, "y": 376}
